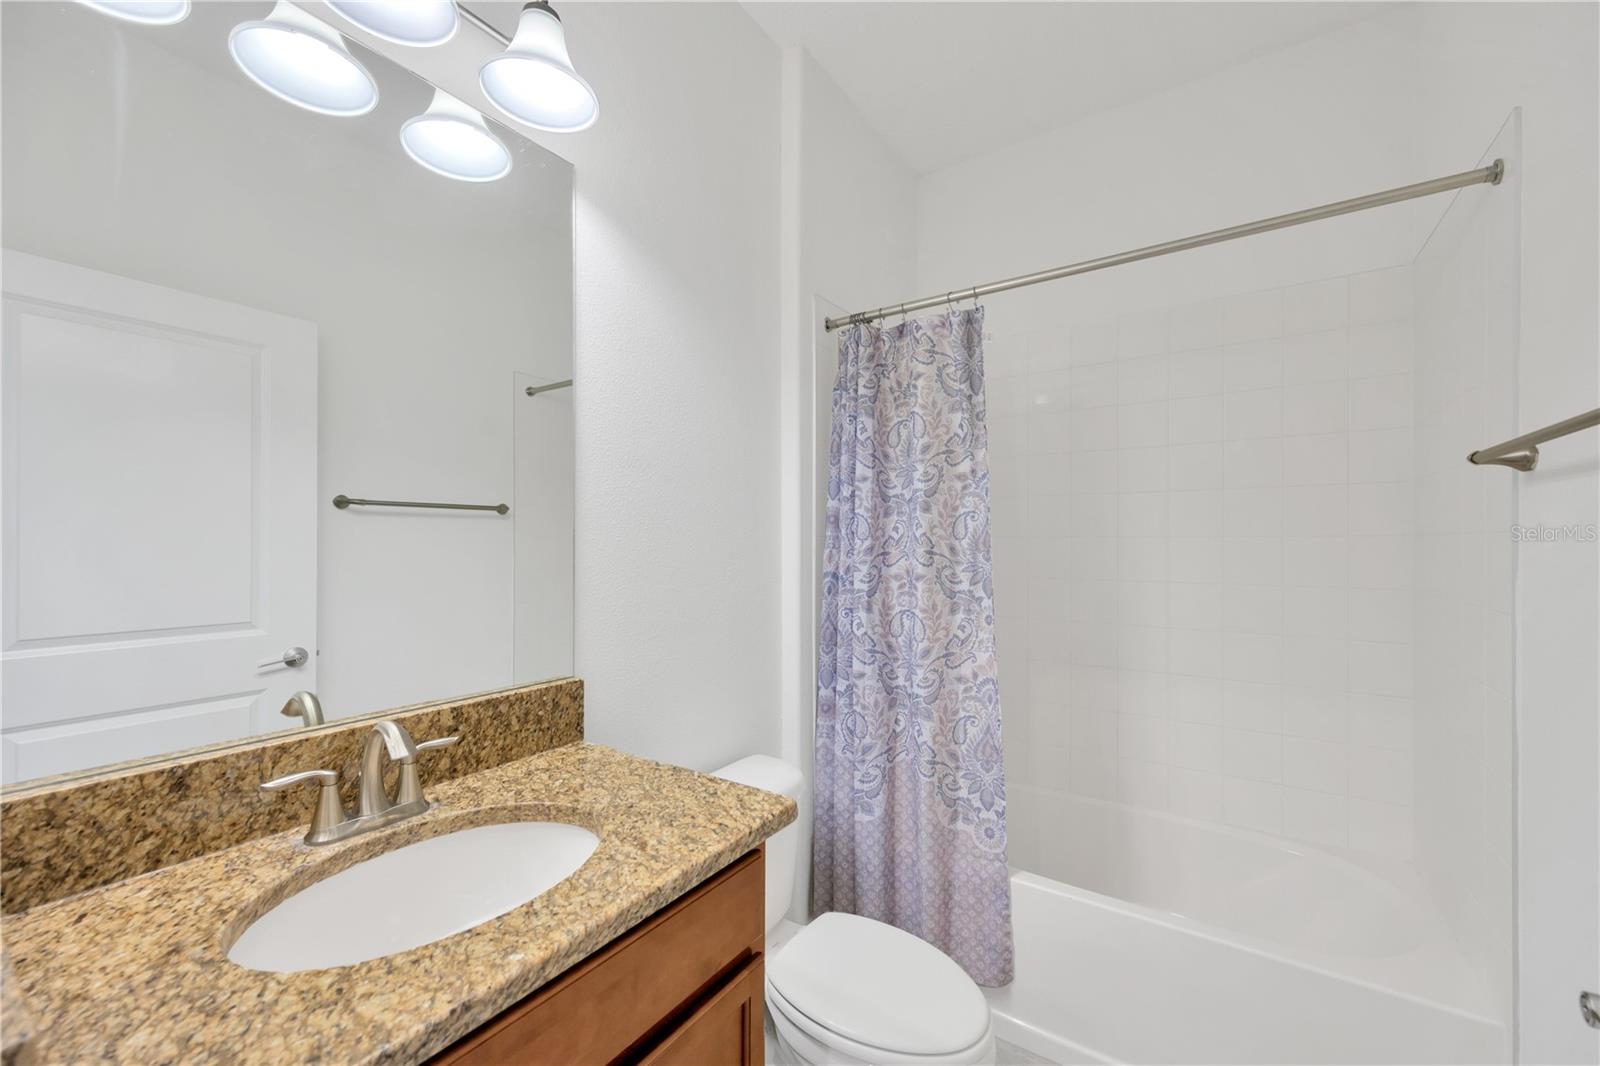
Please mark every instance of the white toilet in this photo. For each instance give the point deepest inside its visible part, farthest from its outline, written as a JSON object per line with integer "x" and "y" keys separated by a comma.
{"x": 847, "y": 990}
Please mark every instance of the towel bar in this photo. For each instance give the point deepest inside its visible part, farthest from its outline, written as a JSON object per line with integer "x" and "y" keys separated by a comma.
{"x": 342, "y": 501}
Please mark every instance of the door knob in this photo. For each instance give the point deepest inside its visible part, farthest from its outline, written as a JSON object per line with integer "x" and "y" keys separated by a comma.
{"x": 292, "y": 657}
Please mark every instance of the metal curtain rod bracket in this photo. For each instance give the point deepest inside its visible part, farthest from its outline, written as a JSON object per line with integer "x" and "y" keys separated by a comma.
{"x": 1489, "y": 175}
{"x": 342, "y": 501}
{"x": 1522, "y": 453}
{"x": 534, "y": 390}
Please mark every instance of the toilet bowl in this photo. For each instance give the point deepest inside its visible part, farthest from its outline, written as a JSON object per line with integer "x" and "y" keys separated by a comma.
{"x": 848, "y": 990}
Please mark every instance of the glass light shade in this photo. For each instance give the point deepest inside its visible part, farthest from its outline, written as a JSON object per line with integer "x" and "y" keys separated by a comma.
{"x": 299, "y": 58}
{"x": 533, "y": 80}
{"x": 452, "y": 139}
{"x": 148, "y": 12}
{"x": 415, "y": 22}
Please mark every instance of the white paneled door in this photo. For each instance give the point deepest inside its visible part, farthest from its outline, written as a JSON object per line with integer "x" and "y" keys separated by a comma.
{"x": 158, "y": 487}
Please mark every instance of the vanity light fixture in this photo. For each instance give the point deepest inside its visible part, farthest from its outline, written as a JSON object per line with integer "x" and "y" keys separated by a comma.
{"x": 452, "y": 139}
{"x": 533, "y": 80}
{"x": 421, "y": 23}
{"x": 297, "y": 57}
{"x": 146, "y": 12}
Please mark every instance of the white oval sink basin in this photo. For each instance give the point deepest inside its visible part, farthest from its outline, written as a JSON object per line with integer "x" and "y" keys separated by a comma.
{"x": 413, "y": 896}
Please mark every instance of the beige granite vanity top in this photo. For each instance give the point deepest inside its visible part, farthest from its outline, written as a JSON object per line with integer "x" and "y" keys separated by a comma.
{"x": 16, "y": 1021}
{"x": 137, "y": 971}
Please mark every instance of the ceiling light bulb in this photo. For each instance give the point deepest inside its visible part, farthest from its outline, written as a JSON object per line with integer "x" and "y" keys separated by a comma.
{"x": 452, "y": 139}
{"x": 422, "y": 23}
{"x": 533, "y": 80}
{"x": 148, "y": 12}
{"x": 299, "y": 58}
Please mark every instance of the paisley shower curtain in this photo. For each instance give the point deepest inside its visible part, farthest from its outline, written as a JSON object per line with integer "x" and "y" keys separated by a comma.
{"x": 909, "y": 824}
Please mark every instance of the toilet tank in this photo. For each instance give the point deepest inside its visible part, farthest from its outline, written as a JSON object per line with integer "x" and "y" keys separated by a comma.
{"x": 783, "y": 847}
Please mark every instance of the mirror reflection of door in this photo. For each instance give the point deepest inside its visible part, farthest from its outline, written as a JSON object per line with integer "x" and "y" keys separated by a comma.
{"x": 160, "y": 538}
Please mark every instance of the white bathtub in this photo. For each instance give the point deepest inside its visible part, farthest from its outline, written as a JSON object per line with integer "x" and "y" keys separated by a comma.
{"x": 1179, "y": 941}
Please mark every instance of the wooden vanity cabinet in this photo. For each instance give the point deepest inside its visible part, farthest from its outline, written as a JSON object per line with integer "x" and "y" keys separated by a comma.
{"x": 683, "y": 988}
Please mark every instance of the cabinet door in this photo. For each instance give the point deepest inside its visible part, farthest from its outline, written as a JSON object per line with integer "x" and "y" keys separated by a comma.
{"x": 618, "y": 1001}
{"x": 726, "y": 1030}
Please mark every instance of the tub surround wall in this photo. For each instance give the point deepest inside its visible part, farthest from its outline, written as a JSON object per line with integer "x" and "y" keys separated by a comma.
{"x": 62, "y": 838}
{"x": 1202, "y": 541}
{"x": 137, "y": 971}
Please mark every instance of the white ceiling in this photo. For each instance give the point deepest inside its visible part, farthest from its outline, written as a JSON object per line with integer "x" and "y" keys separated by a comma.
{"x": 944, "y": 81}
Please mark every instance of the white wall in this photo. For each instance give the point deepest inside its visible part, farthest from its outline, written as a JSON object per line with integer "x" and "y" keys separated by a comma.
{"x": 1282, "y": 132}
{"x": 849, "y": 225}
{"x": 1477, "y": 63}
{"x": 136, "y": 152}
{"x": 676, "y": 238}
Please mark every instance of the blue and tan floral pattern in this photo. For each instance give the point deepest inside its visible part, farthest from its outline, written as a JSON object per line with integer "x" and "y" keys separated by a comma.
{"x": 910, "y": 819}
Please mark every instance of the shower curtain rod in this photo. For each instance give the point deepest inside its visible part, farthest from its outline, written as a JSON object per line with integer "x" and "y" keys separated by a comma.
{"x": 1490, "y": 175}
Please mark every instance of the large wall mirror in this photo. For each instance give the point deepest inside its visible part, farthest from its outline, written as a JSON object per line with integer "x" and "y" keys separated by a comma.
{"x": 222, "y": 312}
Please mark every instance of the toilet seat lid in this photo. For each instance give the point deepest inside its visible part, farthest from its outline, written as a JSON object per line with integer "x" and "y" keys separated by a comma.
{"x": 880, "y": 986}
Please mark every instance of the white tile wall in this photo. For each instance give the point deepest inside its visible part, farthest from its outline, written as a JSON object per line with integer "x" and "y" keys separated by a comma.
{"x": 1204, "y": 556}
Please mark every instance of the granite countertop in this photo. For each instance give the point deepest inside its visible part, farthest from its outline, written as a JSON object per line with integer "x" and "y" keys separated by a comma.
{"x": 16, "y": 1022}
{"x": 137, "y": 971}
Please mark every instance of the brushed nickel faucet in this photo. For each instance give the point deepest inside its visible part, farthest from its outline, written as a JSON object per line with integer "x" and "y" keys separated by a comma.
{"x": 375, "y": 807}
{"x": 387, "y": 737}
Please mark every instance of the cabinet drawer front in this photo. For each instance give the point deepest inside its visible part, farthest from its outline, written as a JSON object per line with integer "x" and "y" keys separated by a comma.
{"x": 620, "y": 999}
{"x": 726, "y": 1030}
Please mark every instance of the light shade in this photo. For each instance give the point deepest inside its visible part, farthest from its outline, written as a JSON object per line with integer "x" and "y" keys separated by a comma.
{"x": 148, "y": 12}
{"x": 452, "y": 139}
{"x": 299, "y": 58}
{"x": 414, "y": 22}
{"x": 533, "y": 80}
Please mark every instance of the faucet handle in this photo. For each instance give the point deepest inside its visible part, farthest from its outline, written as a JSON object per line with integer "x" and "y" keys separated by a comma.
{"x": 330, "y": 812}
{"x": 410, "y": 790}
{"x": 322, "y": 777}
